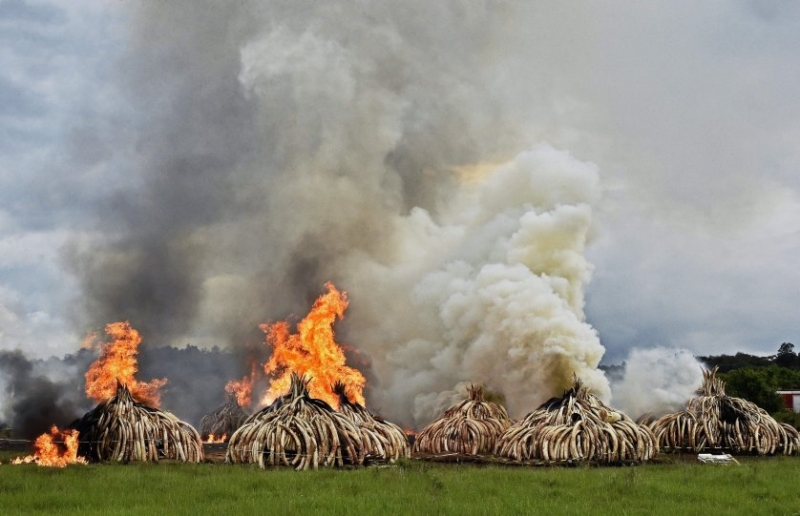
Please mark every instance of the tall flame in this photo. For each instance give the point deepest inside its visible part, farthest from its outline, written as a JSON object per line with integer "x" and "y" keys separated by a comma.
{"x": 312, "y": 351}
{"x": 243, "y": 389}
{"x": 49, "y": 454}
{"x": 117, "y": 363}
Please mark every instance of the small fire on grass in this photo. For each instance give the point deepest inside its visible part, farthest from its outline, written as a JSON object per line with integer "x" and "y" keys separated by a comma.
{"x": 50, "y": 454}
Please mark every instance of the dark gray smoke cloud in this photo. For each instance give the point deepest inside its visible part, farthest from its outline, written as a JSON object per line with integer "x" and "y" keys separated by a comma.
{"x": 145, "y": 260}
{"x": 279, "y": 146}
{"x": 196, "y": 377}
{"x": 266, "y": 148}
{"x": 272, "y": 143}
{"x": 210, "y": 165}
{"x": 38, "y": 394}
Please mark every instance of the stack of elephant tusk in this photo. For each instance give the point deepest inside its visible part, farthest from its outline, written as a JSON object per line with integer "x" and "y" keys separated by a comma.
{"x": 121, "y": 429}
{"x": 577, "y": 427}
{"x": 223, "y": 421}
{"x": 470, "y": 427}
{"x": 383, "y": 441}
{"x": 299, "y": 431}
{"x": 714, "y": 421}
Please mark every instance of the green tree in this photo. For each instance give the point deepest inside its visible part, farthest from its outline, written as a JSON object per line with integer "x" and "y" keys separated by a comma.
{"x": 788, "y": 416}
{"x": 756, "y": 385}
{"x": 786, "y": 356}
{"x": 728, "y": 363}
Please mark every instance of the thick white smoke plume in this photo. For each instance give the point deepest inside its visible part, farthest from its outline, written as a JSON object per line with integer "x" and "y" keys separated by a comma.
{"x": 495, "y": 292}
{"x": 281, "y": 145}
{"x": 657, "y": 381}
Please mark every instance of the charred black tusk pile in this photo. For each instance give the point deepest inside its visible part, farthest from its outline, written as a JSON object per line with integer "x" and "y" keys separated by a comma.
{"x": 299, "y": 431}
{"x": 714, "y": 421}
{"x": 224, "y": 420}
{"x": 383, "y": 441}
{"x": 121, "y": 429}
{"x": 577, "y": 427}
{"x": 471, "y": 427}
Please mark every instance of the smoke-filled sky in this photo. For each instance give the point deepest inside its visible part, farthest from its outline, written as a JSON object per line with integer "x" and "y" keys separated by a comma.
{"x": 500, "y": 187}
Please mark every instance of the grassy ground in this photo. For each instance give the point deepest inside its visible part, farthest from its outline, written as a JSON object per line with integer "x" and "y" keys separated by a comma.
{"x": 757, "y": 486}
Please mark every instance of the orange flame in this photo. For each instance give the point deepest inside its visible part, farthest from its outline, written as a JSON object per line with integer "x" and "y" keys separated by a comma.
{"x": 48, "y": 452}
{"x": 243, "y": 389}
{"x": 117, "y": 363}
{"x": 312, "y": 351}
{"x": 211, "y": 439}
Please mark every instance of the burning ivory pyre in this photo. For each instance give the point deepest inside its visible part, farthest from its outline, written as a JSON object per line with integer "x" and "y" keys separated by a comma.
{"x": 299, "y": 431}
{"x": 121, "y": 429}
{"x": 714, "y": 421}
{"x": 319, "y": 418}
{"x": 127, "y": 424}
{"x": 322, "y": 420}
{"x": 577, "y": 427}
{"x": 383, "y": 441}
{"x": 471, "y": 427}
{"x": 222, "y": 422}
{"x": 217, "y": 426}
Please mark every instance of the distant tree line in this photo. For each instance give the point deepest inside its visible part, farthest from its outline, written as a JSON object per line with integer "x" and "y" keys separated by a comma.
{"x": 785, "y": 357}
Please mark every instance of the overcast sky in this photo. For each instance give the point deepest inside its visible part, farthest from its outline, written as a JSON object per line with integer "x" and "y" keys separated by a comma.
{"x": 689, "y": 111}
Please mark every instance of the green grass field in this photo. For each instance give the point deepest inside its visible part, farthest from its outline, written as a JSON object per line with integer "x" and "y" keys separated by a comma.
{"x": 756, "y": 486}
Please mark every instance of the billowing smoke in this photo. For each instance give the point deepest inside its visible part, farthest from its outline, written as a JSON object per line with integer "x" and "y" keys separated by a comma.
{"x": 34, "y": 395}
{"x": 196, "y": 378}
{"x": 276, "y": 146}
{"x": 494, "y": 294}
{"x": 657, "y": 381}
